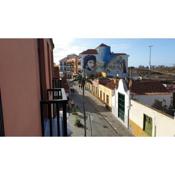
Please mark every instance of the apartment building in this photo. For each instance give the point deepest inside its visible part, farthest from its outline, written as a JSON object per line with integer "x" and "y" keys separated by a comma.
{"x": 26, "y": 89}
{"x": 70, "y": 65}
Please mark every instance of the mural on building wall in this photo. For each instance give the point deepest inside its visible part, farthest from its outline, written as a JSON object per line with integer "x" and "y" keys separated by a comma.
{"x": 113, "y": 64}
{"x": 90, "y": 65}
{"x": 117, "y": 66}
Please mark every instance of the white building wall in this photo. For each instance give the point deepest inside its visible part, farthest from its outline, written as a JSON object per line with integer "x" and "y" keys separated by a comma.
{"x": 122, "y": 88}
{"x": 149, "y": 99}
{"x": 163, "y": 125}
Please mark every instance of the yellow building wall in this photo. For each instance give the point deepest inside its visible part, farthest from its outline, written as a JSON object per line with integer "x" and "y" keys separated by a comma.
{"x": 107, "y": 91}
{"x": 102, "y": 88}
{"x": 163, "y": 124}
{"x": 136, "y": 130}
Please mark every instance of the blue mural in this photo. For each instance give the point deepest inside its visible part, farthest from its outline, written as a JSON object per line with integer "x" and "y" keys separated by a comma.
{"x": 114, "y": 64}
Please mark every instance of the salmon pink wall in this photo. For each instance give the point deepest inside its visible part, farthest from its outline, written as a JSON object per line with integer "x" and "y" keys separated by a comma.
{"x": 20, "y": 87}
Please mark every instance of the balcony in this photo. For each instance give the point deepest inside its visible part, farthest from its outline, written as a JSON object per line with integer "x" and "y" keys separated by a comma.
{"x": 54, "y": 113}
{"x": 56, "y": 83}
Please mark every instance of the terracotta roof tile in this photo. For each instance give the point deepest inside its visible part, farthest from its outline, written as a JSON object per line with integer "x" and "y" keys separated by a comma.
{"x": 89, "y": 51}
{"x": 111, "y": 84}
{"x": 142, "y": 87}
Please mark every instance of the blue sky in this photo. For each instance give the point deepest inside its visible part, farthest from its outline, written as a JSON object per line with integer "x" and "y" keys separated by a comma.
{"x": 163, "y": 50}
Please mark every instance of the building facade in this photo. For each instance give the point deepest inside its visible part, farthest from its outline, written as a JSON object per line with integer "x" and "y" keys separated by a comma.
{"x": 103, "y": 89}
{"x": 114, "y": 64}
{"x": 70, "y": 65}
{"x": 139, "y": 114}
{"x": 26, "y": 74}
{"x": 121, "y": 102}
{"x": 147, "y": 121}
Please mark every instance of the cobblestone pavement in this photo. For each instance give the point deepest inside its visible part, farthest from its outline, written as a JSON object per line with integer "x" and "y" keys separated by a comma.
{"x": 100, "y": 121}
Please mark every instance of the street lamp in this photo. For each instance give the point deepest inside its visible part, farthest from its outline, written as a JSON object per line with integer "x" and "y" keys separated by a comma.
{"x": 150, "y": 47}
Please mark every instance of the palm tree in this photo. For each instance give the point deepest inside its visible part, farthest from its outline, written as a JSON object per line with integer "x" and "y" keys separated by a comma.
{"x": 82, "y": 79}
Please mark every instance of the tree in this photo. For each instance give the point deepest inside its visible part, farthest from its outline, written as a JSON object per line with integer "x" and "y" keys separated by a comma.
{"x": 82, "y": 79}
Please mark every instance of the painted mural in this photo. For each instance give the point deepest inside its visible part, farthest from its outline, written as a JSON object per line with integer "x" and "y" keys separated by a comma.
{"x": 113, "y": 64}
{"x": 117, "y": 66}
{"x": 90, "y": 65}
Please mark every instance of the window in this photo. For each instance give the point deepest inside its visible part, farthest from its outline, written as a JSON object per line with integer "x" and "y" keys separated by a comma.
{"x": 93, "y": 89}
{"x": 96, "y": 91}
{"x": 121, "y": 106}
{"x": 147, "y": 124}
{"x": 103, "y": 96}
{"x": 107, "y": 99}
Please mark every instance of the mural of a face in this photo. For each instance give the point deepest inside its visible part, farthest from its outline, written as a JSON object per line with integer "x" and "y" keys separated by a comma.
{"x": 90, "y": 64}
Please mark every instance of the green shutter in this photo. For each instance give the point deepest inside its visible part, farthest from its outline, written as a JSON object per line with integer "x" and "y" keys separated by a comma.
{"x": 121, "y": 106}
{"x": 147, "y": 124}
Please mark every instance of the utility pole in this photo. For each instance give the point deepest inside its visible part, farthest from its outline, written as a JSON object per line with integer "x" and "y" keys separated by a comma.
{"x": 84, "y": 111}
{"x": 150, "y": 47}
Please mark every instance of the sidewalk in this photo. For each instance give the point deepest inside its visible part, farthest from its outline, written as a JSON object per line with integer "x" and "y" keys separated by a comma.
{"x": 110, "y": 118}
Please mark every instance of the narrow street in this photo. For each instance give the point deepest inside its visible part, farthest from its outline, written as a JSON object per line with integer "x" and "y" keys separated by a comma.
{"x": 97, "y": 123}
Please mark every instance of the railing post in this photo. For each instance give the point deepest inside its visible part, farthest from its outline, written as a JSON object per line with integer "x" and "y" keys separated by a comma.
{"x": 50, "y": 119}
{"x": 52, "y": 109}
{"x": 58, "y": 119}
{"x": 64, "y": 120}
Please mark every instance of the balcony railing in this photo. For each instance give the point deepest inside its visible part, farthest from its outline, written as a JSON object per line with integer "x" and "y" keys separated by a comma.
{"x": 56, "y": 83}
{"x": 54, "y": 113}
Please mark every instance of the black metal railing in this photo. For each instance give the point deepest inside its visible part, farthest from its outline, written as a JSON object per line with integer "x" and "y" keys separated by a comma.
{"x": 56, "y": 83}
{"x": 55, "y": 93}
{"x": 54, "y": 113}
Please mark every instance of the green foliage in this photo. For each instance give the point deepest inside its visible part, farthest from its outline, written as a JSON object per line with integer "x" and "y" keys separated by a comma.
{"x": 78, "y": 122}
{"x": 74, "y": 113}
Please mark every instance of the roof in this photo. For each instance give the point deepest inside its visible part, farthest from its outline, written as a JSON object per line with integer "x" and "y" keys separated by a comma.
{"x": 109, "y": 83}
{"x": 142, "y": 87}
{"x": 63, "y": 59}
{"x": 103, "y": 45}
{"x": 170, "y": 87}
{"x": 89, "y": 51}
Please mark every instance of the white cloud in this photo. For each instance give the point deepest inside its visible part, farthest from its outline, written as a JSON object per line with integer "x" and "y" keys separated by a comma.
{"x": 64, "y": 47}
